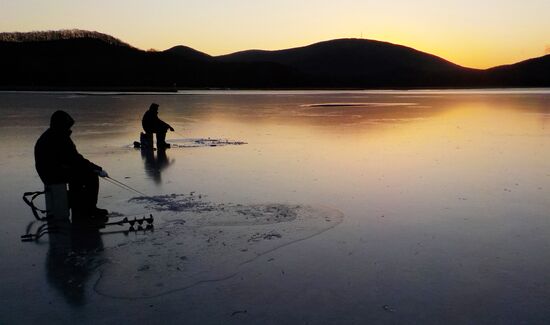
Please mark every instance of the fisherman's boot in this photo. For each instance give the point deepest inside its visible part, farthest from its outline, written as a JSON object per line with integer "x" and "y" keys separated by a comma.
{"x": 100, "y": 214}
{"x": 84, "y": 219}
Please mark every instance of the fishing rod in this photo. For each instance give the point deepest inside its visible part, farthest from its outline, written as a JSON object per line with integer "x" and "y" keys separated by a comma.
{"x": 116, "y": 184}
{"x": 122, "y": 185}
{"x": 181, "y": 135}
{"x": 125, "y": 185}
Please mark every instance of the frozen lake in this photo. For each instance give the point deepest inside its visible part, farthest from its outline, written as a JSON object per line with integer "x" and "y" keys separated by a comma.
{"x": 390, "y": 207}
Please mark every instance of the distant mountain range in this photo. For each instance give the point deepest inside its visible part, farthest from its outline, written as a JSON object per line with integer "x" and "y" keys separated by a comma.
{"x": 76, "y": 59}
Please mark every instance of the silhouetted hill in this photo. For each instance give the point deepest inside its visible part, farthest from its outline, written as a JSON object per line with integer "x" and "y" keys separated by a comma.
{"x": 77, "y": 59}
{"x": 363, "y": 63}
{"x": 83, "y": 62}
{"x": 97, "y": 62}
{"x": 529, "y": 73}
{"x": 56, "y": 35}
{"x": 188, "y": 53}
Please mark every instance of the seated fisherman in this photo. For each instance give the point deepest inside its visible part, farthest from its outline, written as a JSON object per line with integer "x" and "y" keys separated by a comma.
{"x": 152, "y": 124}
{"x": 57, "y": 161}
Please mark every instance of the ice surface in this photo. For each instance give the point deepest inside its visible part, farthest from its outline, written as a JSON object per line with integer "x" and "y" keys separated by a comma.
{"x": 445, "y": 202}
{"x": 198, "y": 241}
{"x": 199, "y": 142}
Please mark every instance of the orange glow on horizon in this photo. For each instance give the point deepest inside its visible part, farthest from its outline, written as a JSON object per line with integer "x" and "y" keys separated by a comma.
{"x": 471, "y": 33}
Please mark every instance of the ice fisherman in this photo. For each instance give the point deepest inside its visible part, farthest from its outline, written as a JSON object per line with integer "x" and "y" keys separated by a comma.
{"x": 152, "y": 124}
{"x": 57, "y": 161}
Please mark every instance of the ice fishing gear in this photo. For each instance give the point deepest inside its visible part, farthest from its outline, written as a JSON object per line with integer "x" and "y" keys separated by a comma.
{"x": 145, "y": 220}
{"x": 28, "y": 198}
{"x": 122, "y": 185}
{"x": 136, "y": 225}
{"x": 181, "y": 135}
{"x": 143, "y": 224}
{"x": 130, "y": 229}
{"x": 57, "y": 202}
{"x": 48, "y": 229}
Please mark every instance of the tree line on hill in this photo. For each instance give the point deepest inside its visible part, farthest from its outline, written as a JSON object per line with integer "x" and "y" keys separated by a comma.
{"x": 75, "y": 59}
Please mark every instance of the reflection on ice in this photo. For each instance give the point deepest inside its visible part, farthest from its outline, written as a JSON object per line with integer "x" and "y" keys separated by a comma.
{"x": 155, "y": 163}
{"x": 73, "y": 258}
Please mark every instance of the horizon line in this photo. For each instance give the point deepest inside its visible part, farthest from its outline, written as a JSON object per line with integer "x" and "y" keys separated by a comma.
{"x": 265, "y": 50}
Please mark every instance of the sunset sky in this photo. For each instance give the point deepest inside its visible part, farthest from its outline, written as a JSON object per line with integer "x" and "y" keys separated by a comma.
{"x": 472, "y": 33}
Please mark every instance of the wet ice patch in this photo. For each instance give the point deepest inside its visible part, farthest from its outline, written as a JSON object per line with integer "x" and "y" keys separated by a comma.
{"x": 221, "y": 214}
{"x": 196, "y": 241}
{"x": 174, "y": 202}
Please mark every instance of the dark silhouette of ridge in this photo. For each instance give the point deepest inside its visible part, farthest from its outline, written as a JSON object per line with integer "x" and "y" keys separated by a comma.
{"x": 75, "y": 59}
{"x": 56, "y": 35}
{"x": 97, "y": 63}
{"x": 529, "y": 73}
{"x": 187, "y": 53}
{"x": 361, "y": 62}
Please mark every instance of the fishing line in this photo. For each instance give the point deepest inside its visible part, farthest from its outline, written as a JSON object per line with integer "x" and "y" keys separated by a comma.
{"x": 118, "y": 185}
{"x": 114, "y": 181}
{"x": 181, "y": 135}
{"x": 122, "y": 185}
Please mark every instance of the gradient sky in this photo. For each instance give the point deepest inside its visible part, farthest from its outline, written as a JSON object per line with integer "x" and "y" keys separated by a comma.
{"x": 473, "y": 33}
